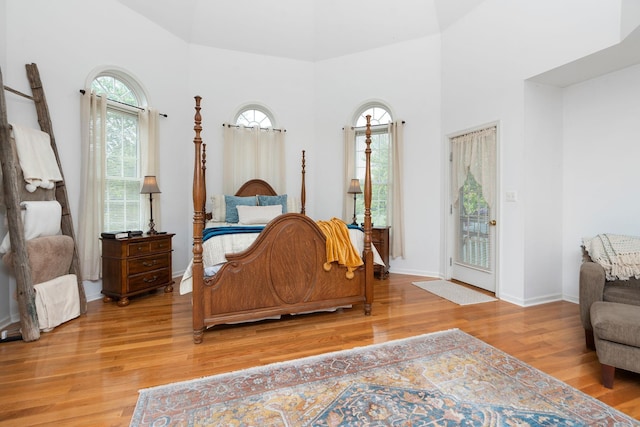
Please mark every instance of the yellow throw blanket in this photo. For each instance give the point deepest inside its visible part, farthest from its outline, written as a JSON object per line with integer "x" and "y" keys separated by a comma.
{"x": 339, "y": 247}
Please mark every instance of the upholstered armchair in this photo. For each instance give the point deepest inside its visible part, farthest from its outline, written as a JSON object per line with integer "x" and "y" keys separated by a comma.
{"x": 594, "y": 287}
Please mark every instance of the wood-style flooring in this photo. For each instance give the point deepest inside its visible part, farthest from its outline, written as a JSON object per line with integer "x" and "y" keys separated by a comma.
{"x": 88, "y": 371}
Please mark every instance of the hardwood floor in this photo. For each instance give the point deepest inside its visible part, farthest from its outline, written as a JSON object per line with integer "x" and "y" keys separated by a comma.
{"x": 89, "y": 370}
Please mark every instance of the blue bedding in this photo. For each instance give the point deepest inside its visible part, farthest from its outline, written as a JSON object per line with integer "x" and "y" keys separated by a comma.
{"x": 207, "y": 233}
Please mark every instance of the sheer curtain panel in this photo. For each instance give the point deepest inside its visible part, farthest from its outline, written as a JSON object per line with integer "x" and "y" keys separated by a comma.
{"x": 396, "y": 246}
{"x": 251, "y": 153}
{"x": 91, "y": 223}
{"x": 149, "y": 134}
{"x": 349, "y": 136}
{"x": 91, "y": 218}
{"x": 474, "y": 153}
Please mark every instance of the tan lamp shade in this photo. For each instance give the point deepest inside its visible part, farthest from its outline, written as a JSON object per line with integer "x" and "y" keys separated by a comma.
{"x": 354, "y": 187}
{"x": 150, "y": 185}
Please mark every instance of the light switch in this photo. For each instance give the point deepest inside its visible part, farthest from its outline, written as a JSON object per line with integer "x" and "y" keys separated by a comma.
{"x": 511, "y": 196}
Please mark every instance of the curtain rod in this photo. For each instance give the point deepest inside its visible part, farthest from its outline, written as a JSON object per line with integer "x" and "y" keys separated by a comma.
{"x": 474, "y": 132}
{"x": 238, "y": 126}
{"x": 82, "y": 91}
{"x": 17, "y": 92}
{"x": 372, "y": 126}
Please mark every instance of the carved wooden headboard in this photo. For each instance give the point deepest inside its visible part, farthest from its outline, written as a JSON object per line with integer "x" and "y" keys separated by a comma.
{"x": 256, "y": 187}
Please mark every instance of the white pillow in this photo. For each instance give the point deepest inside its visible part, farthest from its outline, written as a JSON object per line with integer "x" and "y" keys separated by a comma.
{"x": 218, "y": 209}
{"x": 257, "y": 214}
{"x": 293, "y": 205}
{"x": 39, "y": 218}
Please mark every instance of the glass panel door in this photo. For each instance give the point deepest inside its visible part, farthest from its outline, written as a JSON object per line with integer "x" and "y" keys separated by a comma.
{"x": 473, "y": 165}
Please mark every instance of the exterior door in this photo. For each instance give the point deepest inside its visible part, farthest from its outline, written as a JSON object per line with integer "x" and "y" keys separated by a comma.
{"x": 473, "y": 254}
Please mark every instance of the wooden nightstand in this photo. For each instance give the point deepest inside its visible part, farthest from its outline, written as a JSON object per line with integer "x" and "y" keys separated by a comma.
{"x": 380, "y": 239}
{"x": 135, "y": 265}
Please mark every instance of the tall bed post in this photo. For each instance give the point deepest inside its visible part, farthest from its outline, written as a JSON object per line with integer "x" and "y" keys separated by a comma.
{"x": 303, "y": 191}
{"x": 199, "y": 196}
{"x": 368, "y": 254}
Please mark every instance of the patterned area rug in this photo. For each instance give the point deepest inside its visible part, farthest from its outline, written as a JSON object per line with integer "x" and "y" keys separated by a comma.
{"x": 442, "y": 379}
{"x": 453, "y": 292}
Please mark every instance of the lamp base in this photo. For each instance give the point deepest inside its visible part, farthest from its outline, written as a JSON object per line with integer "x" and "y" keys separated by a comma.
{"x": 152, "y": 231}
{"x": 354, "y": 222}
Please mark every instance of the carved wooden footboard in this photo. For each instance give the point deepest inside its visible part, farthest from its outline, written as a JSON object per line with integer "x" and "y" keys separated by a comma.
{"x": 282, "y": 272}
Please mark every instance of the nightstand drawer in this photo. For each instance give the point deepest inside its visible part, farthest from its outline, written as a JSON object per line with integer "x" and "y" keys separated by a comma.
{"x": 153, "y": 262}
{"x": 162, "y": 245}
{"x": 138, "y": 248}
{"x": 149, "y": 280}
{"x": 147, "y": 247}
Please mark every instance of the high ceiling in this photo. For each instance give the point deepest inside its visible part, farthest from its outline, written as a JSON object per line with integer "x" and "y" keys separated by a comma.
{"x": 309, "y": 30}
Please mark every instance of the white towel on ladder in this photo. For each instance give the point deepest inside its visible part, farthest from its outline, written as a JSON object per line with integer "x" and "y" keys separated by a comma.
{"x": 57, "y": 301}
{"x": 37, "y": 159}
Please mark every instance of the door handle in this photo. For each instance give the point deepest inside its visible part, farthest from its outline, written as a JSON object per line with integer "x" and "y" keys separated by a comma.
{"x": 492, "y": 222}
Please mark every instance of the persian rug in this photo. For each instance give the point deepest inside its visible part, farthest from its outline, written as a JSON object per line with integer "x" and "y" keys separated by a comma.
{"x": 453, "y": 292}
{"x": 445, "y": 378}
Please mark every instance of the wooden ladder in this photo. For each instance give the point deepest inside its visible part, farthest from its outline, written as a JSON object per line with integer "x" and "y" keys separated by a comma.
{"x": 24, "y": 283}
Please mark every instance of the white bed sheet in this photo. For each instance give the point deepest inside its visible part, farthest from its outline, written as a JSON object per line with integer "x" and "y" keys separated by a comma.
{"x": 215, "y": 249}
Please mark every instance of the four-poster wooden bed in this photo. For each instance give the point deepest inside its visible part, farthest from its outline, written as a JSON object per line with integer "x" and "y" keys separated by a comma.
{"x": 283, "y": 271}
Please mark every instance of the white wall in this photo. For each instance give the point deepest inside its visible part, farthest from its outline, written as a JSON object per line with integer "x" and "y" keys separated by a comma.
{"x": 600, "y": 164}
{"x": 542, "y": 187}
{"x": 486, "y": 57}
{"x": 406, "y": 76}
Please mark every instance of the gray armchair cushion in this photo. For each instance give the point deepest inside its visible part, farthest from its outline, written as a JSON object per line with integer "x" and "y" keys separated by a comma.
{"x": 616, "y": 322}
{"x": 594, "y": 287}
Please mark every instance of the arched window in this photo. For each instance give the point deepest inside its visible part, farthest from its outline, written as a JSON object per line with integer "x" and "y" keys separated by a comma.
{"x": 119, "y": 138}
{"x": 254, "y": 116}
{"x": 123, "y": 209}
{"x": 381, "y": 168}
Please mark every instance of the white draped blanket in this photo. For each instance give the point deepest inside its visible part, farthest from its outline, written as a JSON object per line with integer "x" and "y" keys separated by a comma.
{"x": 37, "y": 159}
{"x": 619, "y": 255}
{"x": 57, "y": 301}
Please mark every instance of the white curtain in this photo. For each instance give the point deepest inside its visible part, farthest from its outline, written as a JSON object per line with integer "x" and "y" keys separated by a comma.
{"x": 396, "y": 246}
{"x": 148, "y": 125}
{"x": 396, "y": 213}
{"x": 474, "y": 153}
{"x": 91, "y": 223}
{"x": 349, "y": 136}
{"x": 251, "y": 153}
{"x": 94, "y": 112}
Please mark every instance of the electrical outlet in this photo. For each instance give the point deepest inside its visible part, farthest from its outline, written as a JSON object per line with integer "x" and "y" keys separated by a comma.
{"x": 511, "y": 196}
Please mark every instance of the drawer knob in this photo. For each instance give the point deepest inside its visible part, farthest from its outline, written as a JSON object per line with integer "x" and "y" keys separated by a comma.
{"x": 150, "y": 264}
{"x": 151, "y": 280}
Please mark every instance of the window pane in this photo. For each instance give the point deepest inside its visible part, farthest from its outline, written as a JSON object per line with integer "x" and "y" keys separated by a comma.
{"x": 122, "y": 160}
{"x": 380, "y": 175}
{"x": 114, "y": 90}
{"x": 379, "y": 116}
{"x": 380, "y": 164}
{"x": 254, "y": 117}
{"x": 473, "y": 236}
